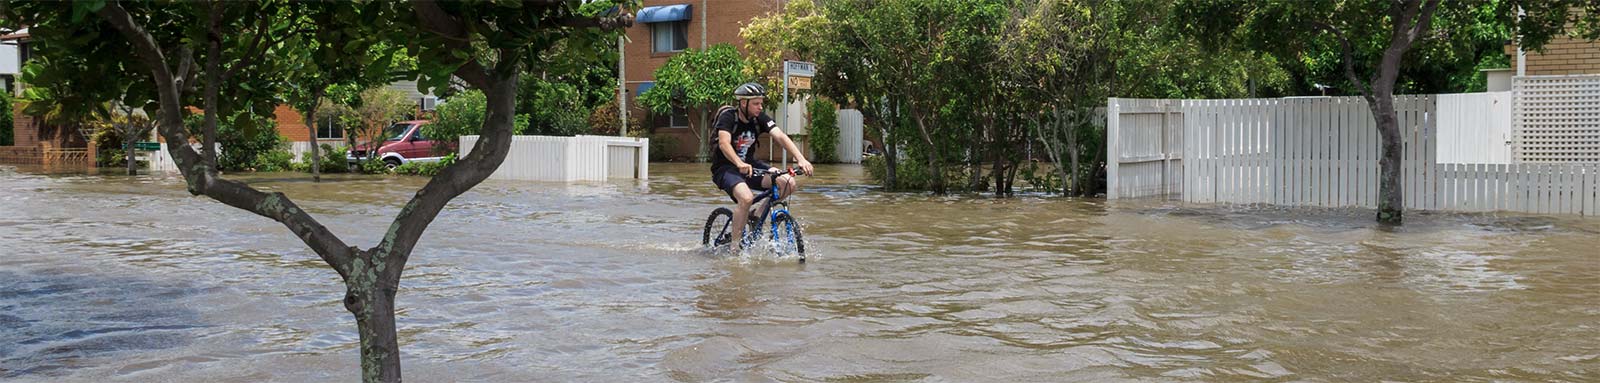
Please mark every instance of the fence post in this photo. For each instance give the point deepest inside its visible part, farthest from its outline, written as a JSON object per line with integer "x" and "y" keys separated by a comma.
{"x": 1113, "y": 144}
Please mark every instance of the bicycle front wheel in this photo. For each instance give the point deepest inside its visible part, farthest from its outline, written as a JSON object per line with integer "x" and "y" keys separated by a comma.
{"x": 786, "y": 237}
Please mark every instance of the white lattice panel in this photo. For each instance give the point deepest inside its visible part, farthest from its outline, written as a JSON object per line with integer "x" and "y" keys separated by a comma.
{"x": 1557, "y": 119}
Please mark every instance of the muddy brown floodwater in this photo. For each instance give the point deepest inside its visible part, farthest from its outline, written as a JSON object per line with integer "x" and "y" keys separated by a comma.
{"x": 112, "y": 278}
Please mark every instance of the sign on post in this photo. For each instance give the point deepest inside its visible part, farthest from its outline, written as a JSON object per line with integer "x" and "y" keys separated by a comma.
{"x": 797, "y": 75}
{"x": 798, "y": 82}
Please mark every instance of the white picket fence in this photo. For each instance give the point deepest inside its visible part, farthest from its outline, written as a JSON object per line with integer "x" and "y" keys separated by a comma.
{"x": 580, "y": 158}
{"x": 1324, "y": 152}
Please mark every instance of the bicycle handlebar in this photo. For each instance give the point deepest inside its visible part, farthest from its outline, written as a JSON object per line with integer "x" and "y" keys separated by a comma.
{"x": 763, "y": 172}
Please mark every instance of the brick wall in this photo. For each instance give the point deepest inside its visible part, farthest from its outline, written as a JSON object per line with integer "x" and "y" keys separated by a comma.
{"x": 291, "y": 124}
{"x": 22, "y": 128}
{"x": 723, "y": 19}
{"x": 1562, "y": 56}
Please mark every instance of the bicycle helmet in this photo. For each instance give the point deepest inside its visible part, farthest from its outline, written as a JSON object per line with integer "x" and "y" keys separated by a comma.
{"x": 749, "y": 90}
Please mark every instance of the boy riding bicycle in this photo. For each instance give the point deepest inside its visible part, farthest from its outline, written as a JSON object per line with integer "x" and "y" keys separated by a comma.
{"x": 733, "y": 161}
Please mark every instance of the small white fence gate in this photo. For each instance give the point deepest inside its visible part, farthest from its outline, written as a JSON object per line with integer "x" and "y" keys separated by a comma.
{"x": 1323, "y": 151}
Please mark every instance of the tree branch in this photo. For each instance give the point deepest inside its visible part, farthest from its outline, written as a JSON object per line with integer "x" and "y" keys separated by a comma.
{"x": 201, "y": 178}
{"x": 437, "y": 21}
{"x": 486, "y": 156}
{"x": 250, "y": 55}
{"x": 604, "y": 23}
{"x": 1349, "y": 56}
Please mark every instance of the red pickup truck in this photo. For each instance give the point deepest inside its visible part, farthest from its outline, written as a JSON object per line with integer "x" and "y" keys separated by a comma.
{"x": 403, "y": 143}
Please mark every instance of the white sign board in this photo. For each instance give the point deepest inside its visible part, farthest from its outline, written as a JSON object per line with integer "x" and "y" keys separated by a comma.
{"x": 800, "y": 68}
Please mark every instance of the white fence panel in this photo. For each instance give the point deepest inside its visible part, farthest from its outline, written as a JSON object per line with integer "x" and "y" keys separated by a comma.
{"x": 851, "y": 136}
{"x": 1139, "y": 153}
{"x": 580, "y": 158}
{"x": 1475, "y": 128}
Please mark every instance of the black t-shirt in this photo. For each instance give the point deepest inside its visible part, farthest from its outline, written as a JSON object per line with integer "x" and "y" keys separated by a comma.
{"x": 744, "y": 137}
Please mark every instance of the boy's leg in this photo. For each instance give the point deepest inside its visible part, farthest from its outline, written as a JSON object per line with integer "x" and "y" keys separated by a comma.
{"x": 741, "y": 213}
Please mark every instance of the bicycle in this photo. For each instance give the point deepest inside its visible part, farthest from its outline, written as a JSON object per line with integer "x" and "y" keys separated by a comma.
{"x": 786, "y": 235}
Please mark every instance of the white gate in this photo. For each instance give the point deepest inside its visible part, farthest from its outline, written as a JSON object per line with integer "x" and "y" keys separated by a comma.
{"x": 850, "y": 136}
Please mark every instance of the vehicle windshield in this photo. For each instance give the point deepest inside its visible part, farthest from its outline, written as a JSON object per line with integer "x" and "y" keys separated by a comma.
{"x": 396, "y": 132}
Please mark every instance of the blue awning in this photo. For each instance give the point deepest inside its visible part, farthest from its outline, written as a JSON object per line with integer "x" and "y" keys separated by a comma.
{"x": 663, "y": 14}
{"x": 644, "y": 87}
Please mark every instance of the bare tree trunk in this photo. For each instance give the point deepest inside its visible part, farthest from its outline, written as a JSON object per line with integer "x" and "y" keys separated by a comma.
{"x": 213, "y": 74}
{"x": 890, "y": 157}
{"x": 311, "y": 125}
{"x": 1411, "y": 19}
{"x": 1072, "y": 156}
{"x": 935, "y": 169}
{"x": 1391, "y": 207}
{"x": 128, "y": 139}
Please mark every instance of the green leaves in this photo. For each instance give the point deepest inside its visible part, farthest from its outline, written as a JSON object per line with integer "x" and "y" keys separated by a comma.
{"x": 696, "y": 79}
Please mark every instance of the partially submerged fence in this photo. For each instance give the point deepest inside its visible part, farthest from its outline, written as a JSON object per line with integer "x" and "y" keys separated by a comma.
{"x": 580, "y": 158}
{"x": 1324, "y": 152}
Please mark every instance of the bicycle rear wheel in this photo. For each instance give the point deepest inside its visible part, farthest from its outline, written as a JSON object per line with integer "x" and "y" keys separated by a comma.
{"x": 786, "y": 237}
{"x": 717, "y": 226}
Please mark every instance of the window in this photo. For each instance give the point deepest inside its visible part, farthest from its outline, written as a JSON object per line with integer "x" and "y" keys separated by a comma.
{"x": 330, "y": 128}
{"x": 396, "y": 132}
{"x": 669, "y": 36}
{"x": 679, "y": 118}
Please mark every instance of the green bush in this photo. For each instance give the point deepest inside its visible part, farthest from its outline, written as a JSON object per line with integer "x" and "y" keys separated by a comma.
{"x": 552, "y": 109}
{"x": 463, "y": 115}
{"x": 243, "y": 139}
{"x": 824, "y": 130}
{"x": 909, "y": 175}
{"x": 6, "y": 135}
{"x": 276, "y": 160}
{"x": 428, "y": 169}
{"x": 333, "y": 160}
{"x": 658, "y": 145}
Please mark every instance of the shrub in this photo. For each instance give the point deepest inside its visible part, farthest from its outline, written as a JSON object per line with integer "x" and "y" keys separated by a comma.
{"x": 428, "y": 169}
{"x": 275, "y": 160}
{"x": 243, "y": 138}
{"x": 824, "y": 130}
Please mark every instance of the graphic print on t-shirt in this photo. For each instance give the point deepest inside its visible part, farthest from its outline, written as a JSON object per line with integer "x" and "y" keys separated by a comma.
{"x": 745, "y": 140}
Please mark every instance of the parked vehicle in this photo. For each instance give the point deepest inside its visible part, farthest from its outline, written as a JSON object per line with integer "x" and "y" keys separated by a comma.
{"x": 403, "y": 143}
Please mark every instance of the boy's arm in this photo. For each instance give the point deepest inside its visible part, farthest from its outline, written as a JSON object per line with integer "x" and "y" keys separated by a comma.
{"x": 725, "y": 144}
{"x": 788, "y": 145}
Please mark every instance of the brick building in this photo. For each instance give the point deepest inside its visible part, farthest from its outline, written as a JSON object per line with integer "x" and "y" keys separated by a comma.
{"x": 1562, "y": 56}
{"x": 667, "y": 27}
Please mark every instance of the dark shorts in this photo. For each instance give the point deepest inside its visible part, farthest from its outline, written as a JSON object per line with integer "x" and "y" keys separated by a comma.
{"x": 726, "y": 177}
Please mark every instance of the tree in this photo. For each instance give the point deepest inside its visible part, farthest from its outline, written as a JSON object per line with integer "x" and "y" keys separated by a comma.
{"x": 131, "y": 126}
{"x": 1372, "y": 39}
{"x": 444, "y": 37}
{"x": 697, "y": 80}
{"x": 376, "y": 108}
{"x": 326, "y": 56}
{"x": 462, "y": 115}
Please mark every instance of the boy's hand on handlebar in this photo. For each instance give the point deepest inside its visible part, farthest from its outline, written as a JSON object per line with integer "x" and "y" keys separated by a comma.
{"x": 805, "y": 168}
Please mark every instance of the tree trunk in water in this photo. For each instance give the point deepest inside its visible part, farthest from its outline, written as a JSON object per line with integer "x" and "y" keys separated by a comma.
{"x": 1072, "y": 156}
{"x": 128, "y": 139}
{"x": 1391, "y": 205}
{"x": 890, "y": 160}
{"x": 371, "y": 300}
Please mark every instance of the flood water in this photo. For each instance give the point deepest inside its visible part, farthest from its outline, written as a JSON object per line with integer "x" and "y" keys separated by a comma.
{"x": 115, "y": 278}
